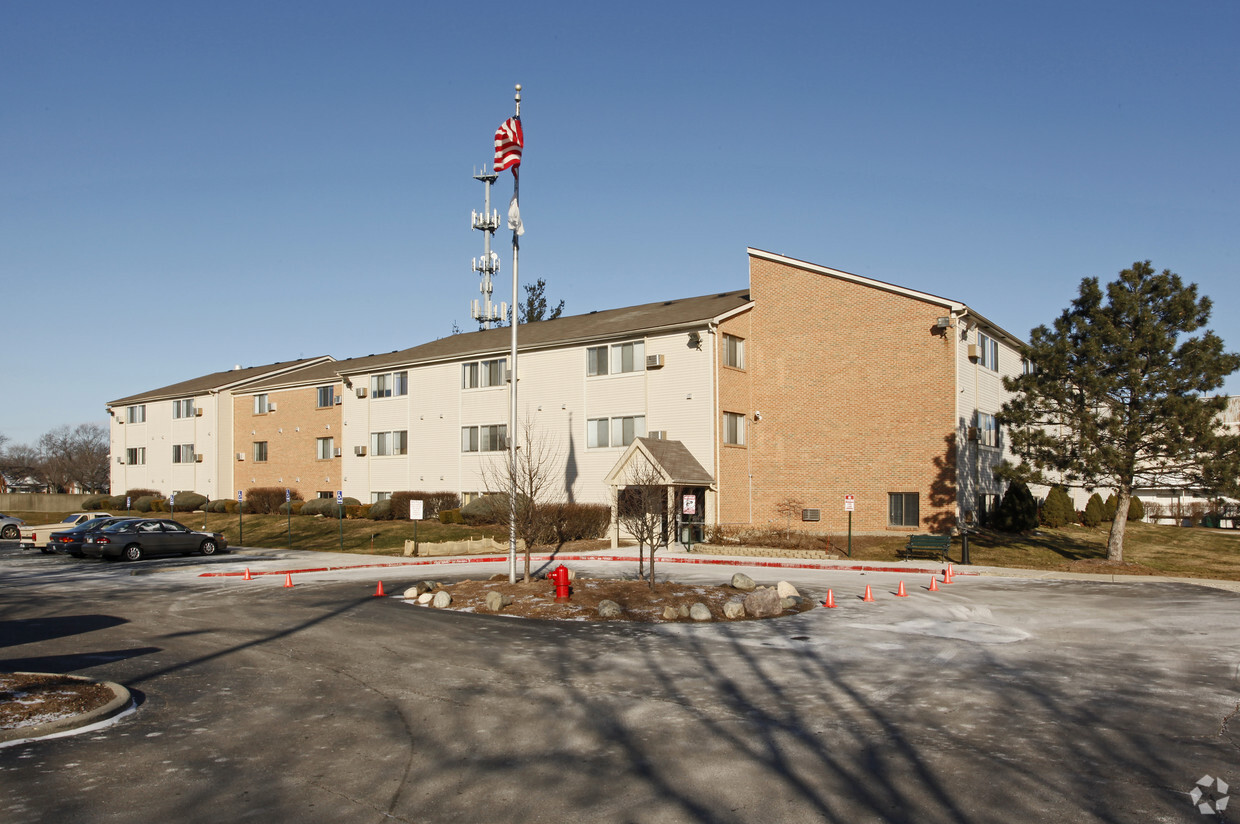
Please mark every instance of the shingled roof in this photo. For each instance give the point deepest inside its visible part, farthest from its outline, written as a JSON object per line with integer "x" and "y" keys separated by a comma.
{"x": 218, "y": 381}
{"x": 565, "y": 331}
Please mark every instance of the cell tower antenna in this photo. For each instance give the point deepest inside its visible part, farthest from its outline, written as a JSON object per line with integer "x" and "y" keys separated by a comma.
{"x": 484, "y": 311}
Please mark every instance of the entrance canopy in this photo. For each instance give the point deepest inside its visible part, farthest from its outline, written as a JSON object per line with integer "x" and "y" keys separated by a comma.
{"x": 672, "y": 460}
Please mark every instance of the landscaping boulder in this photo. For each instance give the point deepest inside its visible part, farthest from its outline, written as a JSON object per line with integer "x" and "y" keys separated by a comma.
{"x": 683, "y": 611}
{"x": 425, "y": 598}
{"x": 763, "y": 603}
{"x": 786, "y": 590}
{"x": 441, "y": 599}
{"x": 699, "y": 612}
{"x": 670, "y": 613}
{"x": 609, "y": 609}
{"x": 495, "y": 601}
{"x": 733, "y": 609}
{"x": 743, "y": 582}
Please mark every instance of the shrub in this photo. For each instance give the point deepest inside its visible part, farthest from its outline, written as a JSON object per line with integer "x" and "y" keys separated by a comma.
{"x": 190, "y": 501}
{"x": 382, "y": 510}
{"x": 1057, "y": 510}
{"x": 489, "y": 509}
{"x": 114, "y": 503}
{"x": 159, "y": 505}
{"x": 450, "y": 516}
{"x": 1136, "y": 509}
{"x": 143, "y": 502}
{"x": 354, "y": 510}
{"x": 1093, "y": 511}
{"x": 293, "y": 505}
{"x": 432, "y": 503}
{"x": 266, "y": 500}
{"x": 219, "y": 505}
{"x": 319, "y": 506}
{"x": 94, "y": 502}
{"x": 1018, "y": 511}
{"x": 579, "y": 522}
{"x": 1109, "y": 506}
{"x": 135, "y": 494}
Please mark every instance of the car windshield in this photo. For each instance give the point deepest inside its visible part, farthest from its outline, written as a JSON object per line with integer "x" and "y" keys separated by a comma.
{"x": 70, "y": 520}
{"x": 118, "y": 526}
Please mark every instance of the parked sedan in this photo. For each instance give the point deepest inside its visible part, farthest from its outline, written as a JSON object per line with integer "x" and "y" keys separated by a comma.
{"x": 10, "y": 527}
{"x": 69, "y": 541}
{"x": 134, "y": 540}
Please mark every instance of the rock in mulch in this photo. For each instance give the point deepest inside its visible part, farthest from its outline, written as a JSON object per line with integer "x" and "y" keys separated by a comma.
{"x": 743, "y": 582}
{"x": 609, "y": 609}
{"x": 699, "y": 612}
{"x": 787, "y": 590}
{"x": 497, "y": 601}
{"x": 683, "y": 611}
{"x": 441, "y": 599}
{"x": 733, "y": 609}
{"x": 789, "y": 603}
{"x": 425, "y": 598}
{"x": 763, "y": 603}
{"x": 670, "y": 613}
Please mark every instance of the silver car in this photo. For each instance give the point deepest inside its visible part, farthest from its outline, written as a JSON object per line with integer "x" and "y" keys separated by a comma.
{"x": 10, "y": 527}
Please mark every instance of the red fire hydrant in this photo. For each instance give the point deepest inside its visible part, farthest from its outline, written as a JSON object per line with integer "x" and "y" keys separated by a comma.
{"x": 559, "y": 577}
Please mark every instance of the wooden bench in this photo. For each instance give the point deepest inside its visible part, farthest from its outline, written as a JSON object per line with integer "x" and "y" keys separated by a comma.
{"x": 928, "y": 545}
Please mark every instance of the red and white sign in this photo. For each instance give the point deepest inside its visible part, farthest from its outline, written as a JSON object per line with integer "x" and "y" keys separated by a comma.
{"x": 850, "y": 503}
{"x": 689, "y": 505}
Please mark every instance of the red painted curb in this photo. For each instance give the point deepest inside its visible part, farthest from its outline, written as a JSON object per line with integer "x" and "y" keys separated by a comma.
{"x": 491, "y": 559}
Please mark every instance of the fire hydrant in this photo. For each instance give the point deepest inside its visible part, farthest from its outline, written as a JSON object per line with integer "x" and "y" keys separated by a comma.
{"x": 559, "y": 577}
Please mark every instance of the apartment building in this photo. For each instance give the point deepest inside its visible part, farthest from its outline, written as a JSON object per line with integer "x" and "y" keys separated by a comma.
{"x": 180, "y": 437}
{"x": 811, "y": 387}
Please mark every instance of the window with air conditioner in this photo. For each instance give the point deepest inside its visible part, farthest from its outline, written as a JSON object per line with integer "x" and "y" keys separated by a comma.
{"x": 988, "y": 352}
{"x": 616, "y": 359}
{"x": 183, "y": 408}
{"x": 261, "y": 405}
{"x": 326, "y": 396}
{"x": 325, "y": 448}
{"x": 182, "y": 453}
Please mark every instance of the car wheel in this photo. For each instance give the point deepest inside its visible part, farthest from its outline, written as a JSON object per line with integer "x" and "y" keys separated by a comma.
{"x": 208, "y": 547}
{"x": 9, "y": 532}
{"x": 45, "y": 550}
{"x": 133, "y": 552}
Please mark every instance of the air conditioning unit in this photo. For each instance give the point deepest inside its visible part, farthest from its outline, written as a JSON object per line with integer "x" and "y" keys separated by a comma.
{"x": 658, "y": 434}
{"x": 811, "y": 514}
{"x": 361, "y": 391}
{"x": 359, "y": 451}
{"x": 973, "y": 433}
{"x": 271, "y": 407}
{"x": 337, "y": 454}
{"x": 654, "y": 361}
{"x": 974, "y": 353}
{"x": 197, "y": 457}
{"x": 120, "y": 460}
{"x": 339, "y": 399}
{"x": 241, "y": 456}
{"x": 197, "y": 412}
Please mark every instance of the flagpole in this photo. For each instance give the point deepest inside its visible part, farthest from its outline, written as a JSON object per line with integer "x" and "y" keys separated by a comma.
{"x": 512, "y": 378}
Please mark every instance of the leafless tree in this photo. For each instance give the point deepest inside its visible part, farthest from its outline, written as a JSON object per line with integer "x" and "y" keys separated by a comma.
{"x": 535, "y": 479}
{"x": 787, "y": 507}
{"x": 645, "y": 509}
{"x": 76, "y": 456}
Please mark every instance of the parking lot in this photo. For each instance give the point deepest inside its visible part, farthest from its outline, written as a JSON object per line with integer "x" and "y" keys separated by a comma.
{"x": 994, "y": 699}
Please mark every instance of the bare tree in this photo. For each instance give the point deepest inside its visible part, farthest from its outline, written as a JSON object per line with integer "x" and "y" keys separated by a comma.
{"x": 787, "y": 507}
{"x": 534, "y": 479}
{"x": 76, "y": 456}
{"x": 644, "y": 508}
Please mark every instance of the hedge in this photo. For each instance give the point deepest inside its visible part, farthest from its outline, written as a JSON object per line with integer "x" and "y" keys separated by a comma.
{"x": 266, "y": 500}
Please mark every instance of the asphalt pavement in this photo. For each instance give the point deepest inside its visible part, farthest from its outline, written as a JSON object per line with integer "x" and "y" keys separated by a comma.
{"x": 997, "y": 698}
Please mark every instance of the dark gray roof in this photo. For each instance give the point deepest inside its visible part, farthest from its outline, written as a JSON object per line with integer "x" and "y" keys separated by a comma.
{"x": 217, "y": 381}
{"x": 565, "y": 331}
{"x": 318, "y": 374}
{"x": 678, "y": 462}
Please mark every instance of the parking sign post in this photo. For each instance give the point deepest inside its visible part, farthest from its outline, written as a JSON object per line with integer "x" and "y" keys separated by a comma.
{"x": 850, "y": 503}
{"x": 340, "y": 515}
{"x": 288, "y": 507}
{"x": 240, "y": 524}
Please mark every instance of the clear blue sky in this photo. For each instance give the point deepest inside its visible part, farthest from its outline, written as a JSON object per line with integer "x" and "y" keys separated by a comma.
{"x": 185, "y": 187}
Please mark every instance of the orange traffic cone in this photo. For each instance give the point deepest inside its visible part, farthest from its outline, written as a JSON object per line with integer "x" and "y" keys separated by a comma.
{"x": 288, "y": 580}
{"x": 830, "y": 602}
{"x": 379, "y": 592}
{"x": 247, "y": 576}
{"x": 947, "y": 576}
{"x": 900, "y": 593}
{"x": 869, "y": 596}
{"x": 934, "y": 584}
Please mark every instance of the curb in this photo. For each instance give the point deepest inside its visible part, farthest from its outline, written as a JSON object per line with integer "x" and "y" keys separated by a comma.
{"x": 121, "y": 700}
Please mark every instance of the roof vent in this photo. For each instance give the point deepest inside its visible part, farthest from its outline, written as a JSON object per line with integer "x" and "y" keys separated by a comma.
{"x": 237, "y": 367}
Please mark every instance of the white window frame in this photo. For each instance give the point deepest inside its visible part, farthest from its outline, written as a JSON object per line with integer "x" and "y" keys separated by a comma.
{"x": 331, "y": 397}
{"x": 135, "y": 456}
{"x": 616, "y": 432}
{"x": 135, "y": 414}
{"x": 597, "y": 361}
{"x": 734, "y": 428}
{"x": 375, "y": 497}
{"x": 389, "y": 444}
{"x": 486, "y": 438}
{"x": 898, "y": 515}
{"x": 636, "y": 351}
{"x": 183, "y": 408}
{"x": 182, "y": 453}
{"x": 484, "y": 374}
{"x": 261, "y": 404}
{"x": 988, "y": 349}
{"x": 325, "y": 448}
{"x": 987, "y": 430}
{"x": 260, "y": 448}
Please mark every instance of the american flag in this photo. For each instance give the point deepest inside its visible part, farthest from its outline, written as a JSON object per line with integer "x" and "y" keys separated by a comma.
{"x": 509, "y": 139}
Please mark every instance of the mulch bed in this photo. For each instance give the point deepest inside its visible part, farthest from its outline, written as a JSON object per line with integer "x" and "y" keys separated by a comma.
{"x": 27, "y": 700}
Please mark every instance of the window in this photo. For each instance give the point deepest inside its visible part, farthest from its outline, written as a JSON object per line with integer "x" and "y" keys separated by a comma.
{"x": 902, "y": 509}
{"x": 325, "y": 494}
{"x": 327, "y": 397}
{"x": 987, "y": 430}
{"x": 734, "y": 428}
{"x": 389, "y": 443}
{"x": 988, "y": 349}
{"x": 616, "y": 359}
{"x": 986, "y": 506}
{"x": 733, "y": 351}
{"x": 136, "y": 457}
{"x": 260, "y": 450}
{"x": 182, "y": 453}
{"x": 183, "y": 408}
{"x": 260, "y": 404}
{"x": 375, "y": 497}
{"x": 484, "y": 438}
{"x": 389, "y": 384}
{"x": 601, "y": 432}
{"x": 326, "y": 448}
{"x": 484, "y": 373}
{"x": 467, "y": 497}
{"x": 135, "y": 414}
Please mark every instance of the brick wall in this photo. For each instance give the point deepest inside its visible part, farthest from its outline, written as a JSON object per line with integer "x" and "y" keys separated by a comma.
{"x": 291, "y": 433}
{"x": 857, "y": 396}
